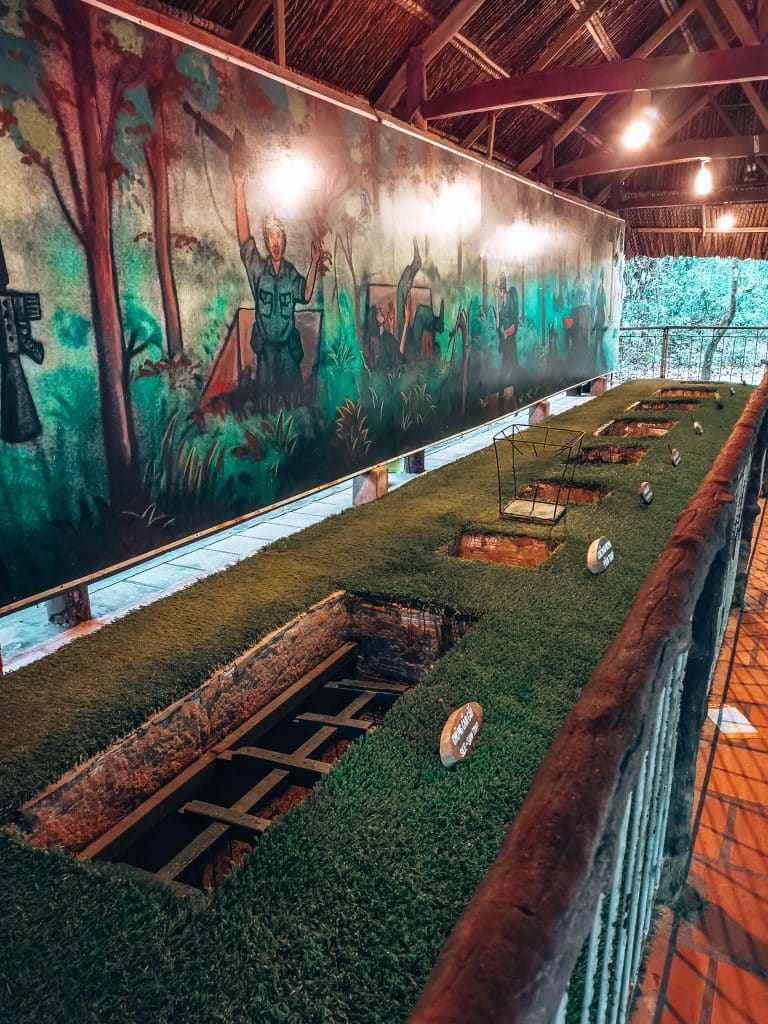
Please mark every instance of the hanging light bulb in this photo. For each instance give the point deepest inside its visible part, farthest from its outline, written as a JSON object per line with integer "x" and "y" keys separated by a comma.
{"x": 641, "y": 114}
{"x": 702, "y": 184}
{"x": 725, "y": 221}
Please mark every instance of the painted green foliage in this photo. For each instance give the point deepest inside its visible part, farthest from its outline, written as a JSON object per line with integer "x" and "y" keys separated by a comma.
{"x": 391, "y": 293}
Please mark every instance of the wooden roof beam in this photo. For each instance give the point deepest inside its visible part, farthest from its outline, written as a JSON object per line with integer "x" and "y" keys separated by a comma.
{"x": 718, "y": 197}
{"x": 584, "y": 109}
{"x": 714, "y": 67}
{"x": 669, "y": 7}
{"x": 249, "y": 19}
{"x": 673, "y": 128}
{"x": 595, "y": 28}
{"x": 550, "y": 54}
{"x": 719, "y": 148}
{"x": 430, "y": 47}
{"x": 747, "y": 37}
{"x": 659, "y": 230}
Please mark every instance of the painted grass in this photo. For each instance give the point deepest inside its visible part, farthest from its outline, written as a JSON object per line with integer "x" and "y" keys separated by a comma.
{"x": 341, "y": 912}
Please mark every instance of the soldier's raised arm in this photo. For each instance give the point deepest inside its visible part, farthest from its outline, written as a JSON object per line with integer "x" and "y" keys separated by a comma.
{"x": 237, "y": 161}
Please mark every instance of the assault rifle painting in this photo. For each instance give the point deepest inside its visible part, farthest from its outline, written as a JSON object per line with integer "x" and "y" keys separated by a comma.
{"x": 18, "y": 417}
{"x": 248, "y": 291}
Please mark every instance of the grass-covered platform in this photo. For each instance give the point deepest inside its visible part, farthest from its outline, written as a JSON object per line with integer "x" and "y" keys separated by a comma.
{"x": 340, "y": 914}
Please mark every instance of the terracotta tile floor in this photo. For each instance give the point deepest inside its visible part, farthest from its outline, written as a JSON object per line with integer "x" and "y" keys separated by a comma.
{"x": 711, "y": 967}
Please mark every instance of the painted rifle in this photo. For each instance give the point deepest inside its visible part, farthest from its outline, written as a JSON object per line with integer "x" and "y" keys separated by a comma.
{"x": 234, "y": 147}
{"x": 19, "y": 421}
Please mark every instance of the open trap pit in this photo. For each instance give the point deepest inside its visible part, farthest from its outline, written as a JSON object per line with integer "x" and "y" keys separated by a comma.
{"x": 635, "y": 428}
{"x": 685, "y": 392}
{"x": 545, "y": 490}
{"x": 516, "y": 551}
{"x": 187, "y": 794}
{"x": 612, "y": 453}
{"x": 662, "y": 405}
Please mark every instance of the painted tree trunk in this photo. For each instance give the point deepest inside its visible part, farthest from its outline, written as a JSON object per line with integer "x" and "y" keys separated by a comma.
{"x": 157, "y": 163}
{"x": 120, "y": 446}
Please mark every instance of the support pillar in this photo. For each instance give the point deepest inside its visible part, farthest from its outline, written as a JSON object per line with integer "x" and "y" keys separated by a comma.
{"x": 414, "y": 463}
{"x": 371, "y": 485}
{"x": 538, "y": 412}
{"x": 598, "y": 386}
{"x": 70, "y": 607}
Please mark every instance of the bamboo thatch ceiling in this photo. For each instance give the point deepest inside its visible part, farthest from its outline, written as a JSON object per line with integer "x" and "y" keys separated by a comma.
{"x": 359, "y": 46}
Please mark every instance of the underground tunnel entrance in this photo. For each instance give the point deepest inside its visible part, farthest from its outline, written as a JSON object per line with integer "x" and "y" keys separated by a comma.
{"x": 208, "y": 816}
{"x": 636, "y": 428}
{"x": 516, "y": 551}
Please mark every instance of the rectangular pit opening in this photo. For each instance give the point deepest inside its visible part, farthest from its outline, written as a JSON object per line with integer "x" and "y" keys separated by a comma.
{"x": 679, "y": 392}
{"x": 612, "y": 454}
{"x": 635, "y": 428}
{"x": 668, "y": 405}
{"x": 518, "y": 552}
{"x": 581, "y": 493}
{"x": 183, "y": 812}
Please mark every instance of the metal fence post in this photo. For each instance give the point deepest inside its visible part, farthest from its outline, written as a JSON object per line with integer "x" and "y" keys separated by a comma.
{"x": 664, "y": 351}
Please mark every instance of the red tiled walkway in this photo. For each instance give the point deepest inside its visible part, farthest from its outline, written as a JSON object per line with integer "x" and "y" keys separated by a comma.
{"x": 710, "y": 965}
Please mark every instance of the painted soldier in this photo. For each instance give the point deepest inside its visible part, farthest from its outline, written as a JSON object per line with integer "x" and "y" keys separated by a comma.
{"x": 277, "y": 287}
{"x": 507, "y": 323}
{"x": 417, "y": 323}
{"x": 599, "y": 325}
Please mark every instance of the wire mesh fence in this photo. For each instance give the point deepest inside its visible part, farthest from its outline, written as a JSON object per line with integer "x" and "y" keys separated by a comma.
{"x": 693, "y": 352}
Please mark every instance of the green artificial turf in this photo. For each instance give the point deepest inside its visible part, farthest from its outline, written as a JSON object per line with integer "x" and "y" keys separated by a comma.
{"x": 339, "y": 915}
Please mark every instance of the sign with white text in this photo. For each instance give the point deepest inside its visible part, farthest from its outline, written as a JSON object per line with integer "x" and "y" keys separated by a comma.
{"x": 600, "y": 555}
{"x": 460, "y": 733}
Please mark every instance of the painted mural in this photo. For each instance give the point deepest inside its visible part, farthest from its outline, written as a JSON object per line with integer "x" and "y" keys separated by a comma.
{"x": 219, "y": 291}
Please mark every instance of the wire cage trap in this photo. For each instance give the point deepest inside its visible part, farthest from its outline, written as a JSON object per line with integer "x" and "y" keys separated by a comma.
{"x": 553, "y": 452}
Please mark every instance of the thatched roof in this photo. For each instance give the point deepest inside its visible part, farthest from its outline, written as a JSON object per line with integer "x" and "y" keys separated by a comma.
{"x": 359, "y": 46}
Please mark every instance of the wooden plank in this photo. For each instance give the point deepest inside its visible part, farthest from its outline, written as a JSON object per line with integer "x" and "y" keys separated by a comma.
{"x": 372, "y": 686}
{"x": 279, "y": 32}
{"x": 586, "y": 108}
{"x": 187, "y": 891}
{"x": 717, "y": 197}
{"x": 346, "y": 726}
{"x": 189, "y": 853}
{"x": 290, "y": 698}
{"x": 720, "y": 148}
{"x": 289, "y": 762}
{"x": 226, "y": 816}
{"x": 683, "y": 71}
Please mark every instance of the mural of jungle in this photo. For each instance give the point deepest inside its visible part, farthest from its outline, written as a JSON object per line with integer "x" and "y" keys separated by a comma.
{"x": 219, "y": 291}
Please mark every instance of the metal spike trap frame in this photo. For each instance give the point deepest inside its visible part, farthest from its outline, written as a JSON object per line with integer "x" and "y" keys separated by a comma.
{"x": 527, "y": 458}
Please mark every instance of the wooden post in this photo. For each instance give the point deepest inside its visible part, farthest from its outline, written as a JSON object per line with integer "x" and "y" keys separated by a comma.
{"x": 416, "y": 82}
{"x": 538, "y": 412}
{"x": 547, "y": 167}
{"x": 70, "y": 607}
{"x": 278, "y": 9}
{"x": 371, "y": 485}
{"x": 414, "y": 463}
{"x": 598, "y": 386}
{"x": 491, "y": 135}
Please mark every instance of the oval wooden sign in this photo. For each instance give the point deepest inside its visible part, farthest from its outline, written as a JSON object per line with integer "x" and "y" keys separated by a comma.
{"x": 645, "y": 492}
{"x": 460, "y": 733}
{"x": 675, "y": 456}
{"x": 600, "y": 555}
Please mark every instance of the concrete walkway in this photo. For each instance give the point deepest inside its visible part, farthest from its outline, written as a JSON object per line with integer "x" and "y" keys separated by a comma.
{"x": 27, "y": 635}
{"x": 710, "y": 966}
